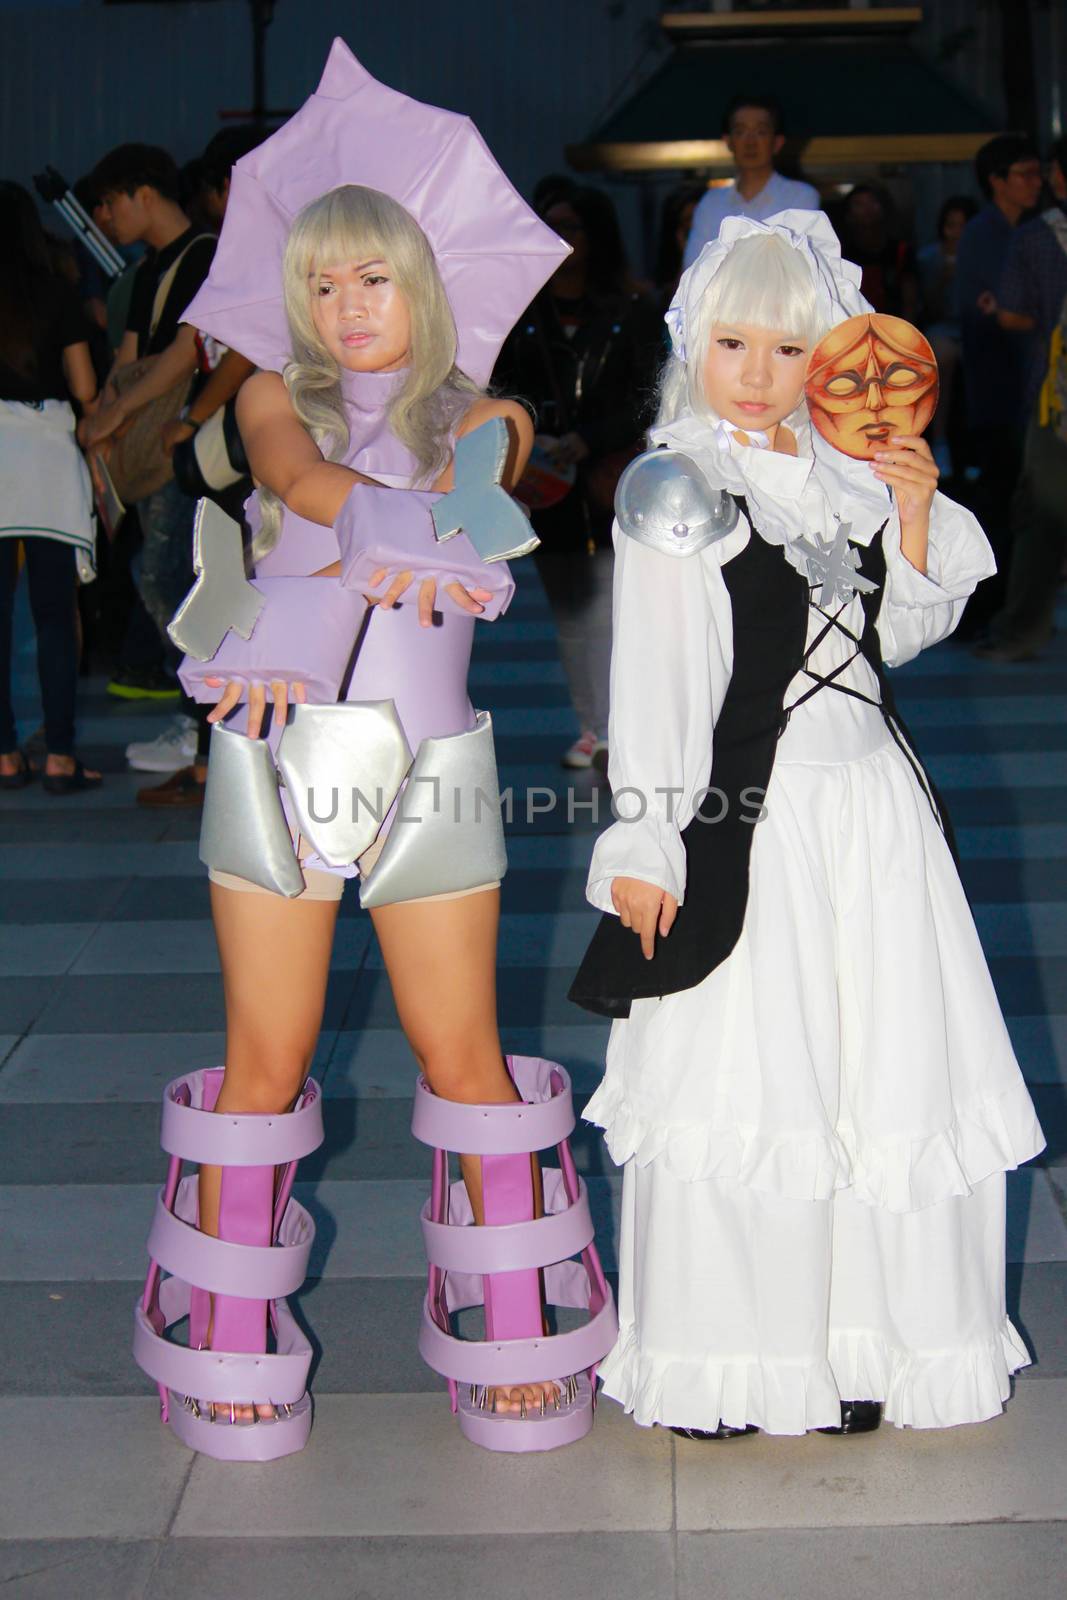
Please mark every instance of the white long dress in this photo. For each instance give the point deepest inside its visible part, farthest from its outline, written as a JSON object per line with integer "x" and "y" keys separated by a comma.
{"x": 815, "y": 1137}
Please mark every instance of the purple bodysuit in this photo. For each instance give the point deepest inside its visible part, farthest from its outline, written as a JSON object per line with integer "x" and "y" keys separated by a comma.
{"x": 423, "y": 670}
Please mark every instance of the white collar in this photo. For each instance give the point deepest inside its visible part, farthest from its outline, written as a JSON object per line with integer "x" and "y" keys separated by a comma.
{"x": 728, "y": 432}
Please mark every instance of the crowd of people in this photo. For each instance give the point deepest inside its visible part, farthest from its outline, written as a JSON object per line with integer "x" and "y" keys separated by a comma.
{"x": 988, "y": 290}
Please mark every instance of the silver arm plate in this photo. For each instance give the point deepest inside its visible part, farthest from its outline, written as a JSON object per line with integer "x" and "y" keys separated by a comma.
{"x": 222, "y": 597}
{"x": 479, "y": 506}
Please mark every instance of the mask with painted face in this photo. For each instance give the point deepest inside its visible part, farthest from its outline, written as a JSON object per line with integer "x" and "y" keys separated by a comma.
{"x": 868, "y": 379}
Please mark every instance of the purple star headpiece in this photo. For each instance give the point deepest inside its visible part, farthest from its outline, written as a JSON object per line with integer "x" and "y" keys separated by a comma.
{"x": 493, "y": 252}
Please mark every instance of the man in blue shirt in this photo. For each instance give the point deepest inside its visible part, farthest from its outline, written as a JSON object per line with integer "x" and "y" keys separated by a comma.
{"x": 752, "y": 129}
{"x": 1030, "y": 303}
{"x": 1008, "y": 169}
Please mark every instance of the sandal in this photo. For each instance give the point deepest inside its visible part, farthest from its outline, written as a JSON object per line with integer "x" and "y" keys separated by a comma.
{"x": 233, "y": 1284}
{"x": 22, "y": 775}
{"x": 500, "y": 1265}
{"x": 69, "y": 782}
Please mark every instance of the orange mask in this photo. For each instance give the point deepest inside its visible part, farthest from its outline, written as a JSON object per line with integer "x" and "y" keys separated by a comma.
{"x": 869, "y": 378}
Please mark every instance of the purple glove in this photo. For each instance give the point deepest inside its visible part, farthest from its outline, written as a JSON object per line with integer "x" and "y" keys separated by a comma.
{"x": 392, "y": 528}
{"x": 304, "y": 634}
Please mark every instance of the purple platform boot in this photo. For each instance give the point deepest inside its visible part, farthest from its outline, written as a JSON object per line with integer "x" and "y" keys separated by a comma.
{"x": 500, "y": 1265}
{"x": 236, "y": 1283}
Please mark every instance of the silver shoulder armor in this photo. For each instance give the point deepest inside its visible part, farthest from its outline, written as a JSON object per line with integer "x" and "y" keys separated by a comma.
{"x": 664, "y": 500}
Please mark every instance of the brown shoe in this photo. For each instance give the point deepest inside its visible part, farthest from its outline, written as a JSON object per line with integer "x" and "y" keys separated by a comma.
{"x": 182, "y": 788}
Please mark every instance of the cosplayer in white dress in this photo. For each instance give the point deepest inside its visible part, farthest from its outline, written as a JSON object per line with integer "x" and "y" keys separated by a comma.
{"x": 814, "y": 1135}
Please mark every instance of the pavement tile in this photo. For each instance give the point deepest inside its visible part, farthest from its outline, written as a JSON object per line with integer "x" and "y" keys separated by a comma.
{"x": 933, "y": 682}
{"x": 109, "y": 1068}
{"x": 532, "y": 998}
{"x": 532, "y": 940}
{"x": 1050, "y": 1103}
{"x": 1037, "y": 1229}
{"x": 97, "y": 1232}
{"x": 41, "y": 950}
{"x": 1013, "y": 771}
{"x": 119, "y": 1143}
{"x": 992, "y": 711}
{"x": 1038, "y": 841}
{"x": 23, "y": 1001}
{"x": 487, "y": 677}
{"x": 1000, "y": 805}
{"x": 78, "y": 1469}
{"x": 1005, "y": 1470}
{"x": 1037, "y": 1298}
{"x": 74, "y": 1338}
{"x": 376, "y": 1063}
{"x": 998, "y": 883}
{"x": 398, "y": 1465}
{"x": 111, "y": 859}
{"x": 167, "y": 1002}
{"x": 38, "y": 900}
{"x": 1029, "y": 984}
{"x": 990, "y": 1561}
{"x": 1041, "y": 1046}
{"x": 569, "y": 1566}
{"x": 171, "y": 899}
{"x": 132, "y": 948}
{"x": 23, "y": 830}
{"x": 1039, "y": 929}
{"x": 1027, "y": 734}
{"x": 89, "y": 1569}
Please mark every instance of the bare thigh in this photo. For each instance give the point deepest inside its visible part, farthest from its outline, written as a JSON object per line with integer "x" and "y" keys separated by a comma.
{"x": 275, "y": 957}
{"x": 441, "y": 960}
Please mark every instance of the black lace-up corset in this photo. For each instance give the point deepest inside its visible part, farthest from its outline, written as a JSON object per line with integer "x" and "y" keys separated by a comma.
{"x": 770, "y": 603}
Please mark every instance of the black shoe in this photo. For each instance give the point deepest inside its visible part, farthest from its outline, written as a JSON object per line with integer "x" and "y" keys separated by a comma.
{"x": 141, "y": 683}
{"x": 69, "y": 782}
{"x": 22, "y": 775}
{"x": 857, "y": 1416}
{"x": 721, "y": 1432}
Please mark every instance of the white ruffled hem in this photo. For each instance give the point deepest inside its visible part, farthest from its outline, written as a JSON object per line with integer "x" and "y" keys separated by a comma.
{"x": 942, "y": 1389}
{"x": 906, "y": 1174}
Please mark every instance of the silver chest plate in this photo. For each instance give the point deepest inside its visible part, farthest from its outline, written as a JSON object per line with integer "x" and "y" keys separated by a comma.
{"x": 664, "y": 501}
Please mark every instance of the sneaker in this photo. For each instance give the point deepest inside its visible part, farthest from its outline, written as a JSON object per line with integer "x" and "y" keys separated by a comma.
{"x": 140, "y": 683}
{"x": 588, "y": 751}
{"x": 182, "y": 788}
{"x": 174, "y": 748}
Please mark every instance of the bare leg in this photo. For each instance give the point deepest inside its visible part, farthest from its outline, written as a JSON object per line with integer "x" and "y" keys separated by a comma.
{"x": 441, "y": 960}
{"x": 275, "y": 957}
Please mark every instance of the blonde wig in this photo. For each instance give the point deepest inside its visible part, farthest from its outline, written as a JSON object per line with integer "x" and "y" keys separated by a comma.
{"x": 763, "y": 282}
{"x": 357, "y": 224}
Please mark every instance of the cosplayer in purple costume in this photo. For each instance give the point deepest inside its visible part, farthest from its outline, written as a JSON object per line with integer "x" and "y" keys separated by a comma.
{"x": 354, "y": 525}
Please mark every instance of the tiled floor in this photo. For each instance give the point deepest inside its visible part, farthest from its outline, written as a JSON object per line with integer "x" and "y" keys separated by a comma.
{"x": 108, "y": 987}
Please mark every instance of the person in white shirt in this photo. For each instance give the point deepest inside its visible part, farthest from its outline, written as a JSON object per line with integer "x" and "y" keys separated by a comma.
{"x": 752, "y": 129}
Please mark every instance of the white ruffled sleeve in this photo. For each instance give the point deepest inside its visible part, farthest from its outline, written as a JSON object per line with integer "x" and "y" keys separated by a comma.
{"x": 672, "y": 651}
{"x": 919, "y": 610}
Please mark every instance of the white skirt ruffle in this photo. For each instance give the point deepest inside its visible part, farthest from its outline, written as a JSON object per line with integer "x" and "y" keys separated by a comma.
{"x": 853, "y": 1037}
{"x": 815, "y": 1137}
{"x": 747, "y": 1308}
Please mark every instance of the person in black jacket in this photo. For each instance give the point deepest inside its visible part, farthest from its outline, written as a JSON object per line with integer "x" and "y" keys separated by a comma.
{"x": 584, "y": 356}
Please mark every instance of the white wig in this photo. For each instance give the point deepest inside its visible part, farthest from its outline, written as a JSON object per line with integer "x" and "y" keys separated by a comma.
{"x": 786, "y": 274}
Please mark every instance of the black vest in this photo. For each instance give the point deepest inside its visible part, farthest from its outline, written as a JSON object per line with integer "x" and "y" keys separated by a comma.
{"x": 769, "y": 601}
